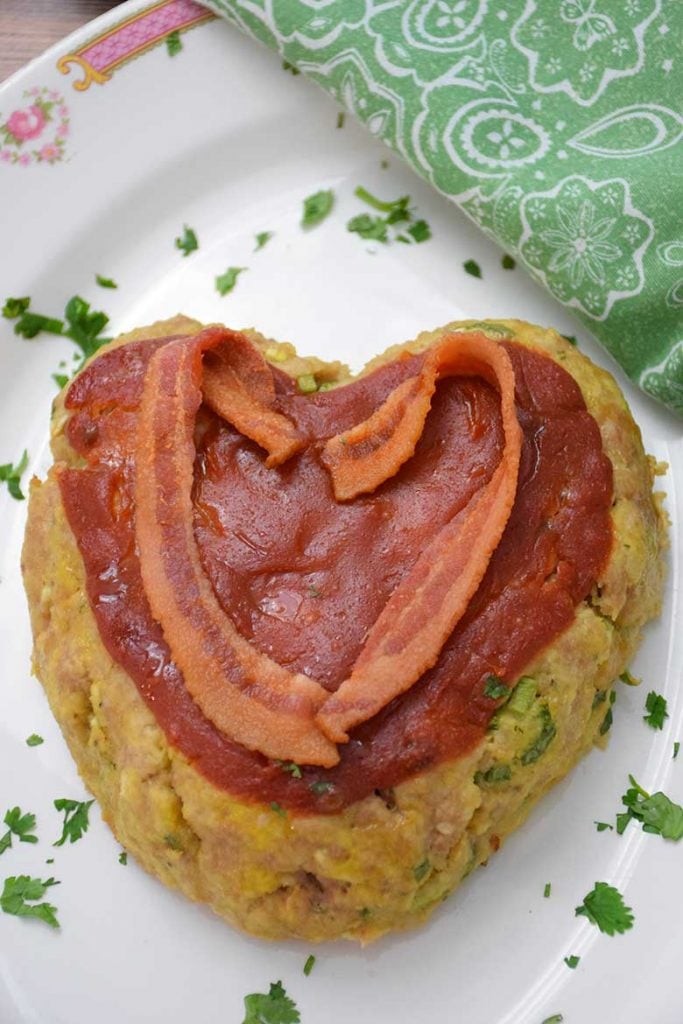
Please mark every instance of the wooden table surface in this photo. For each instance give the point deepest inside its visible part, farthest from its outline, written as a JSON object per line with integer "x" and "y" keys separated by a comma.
{"x": 27, "y": 27}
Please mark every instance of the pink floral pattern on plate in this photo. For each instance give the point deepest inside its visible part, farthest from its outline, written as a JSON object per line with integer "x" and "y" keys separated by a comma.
{"x": 37, "y": 132}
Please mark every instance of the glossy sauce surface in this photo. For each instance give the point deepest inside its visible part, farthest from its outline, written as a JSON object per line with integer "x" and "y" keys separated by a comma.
{"x": 304, "y": 577}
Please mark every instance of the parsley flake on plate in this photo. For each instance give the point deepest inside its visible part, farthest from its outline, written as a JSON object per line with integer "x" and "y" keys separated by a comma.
{"x": 123, "y": 857}
{"x": 572, "y": 961}
{"x": 227, "y": 281}
{"x": 262, "y": 238}
{"x": 286, "y": 66}
{"x": 173, "y": 43}
{"x": 677, "y": 747}
{"x": 187, "y": 242}
{"x": 656, "y": 813}
{"x": 571, "y": 339}
{"x": 80, "y": 324}
{"x": 105, "y": 282}
{"x": 76, "y": 819}
{"x": 603, "y": 826}
{"x": 275, "y": 1007}
{"x": 396, "y": 223}
{"x": 472, "y": 268}
{"x": 19, "y": 896}
{"x": 547, "y": 889}
{"x": 604, "y": 906}
{"x": 507, "y": 262}
{"x": 15, "y": 307}
{"x": 655, "y": 706}
{"x": 309, "y": 965}
{"x": 11, "y": 475}
{"x": 556, "y": 1018}
{"x": 341, "y": 117}
{"x": 20, "y": 825}
{"x": 34, "y": 740}
{"x": 317, "y": 207}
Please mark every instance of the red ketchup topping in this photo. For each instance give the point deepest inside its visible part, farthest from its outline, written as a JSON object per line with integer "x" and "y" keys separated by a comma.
{"x": 304, "y": 577}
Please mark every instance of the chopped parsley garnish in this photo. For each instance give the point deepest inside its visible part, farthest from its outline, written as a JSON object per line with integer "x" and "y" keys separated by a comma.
{"x": 604, "y": 906}
{"x": 571, "y": 339}
{"x": 572, "y": 961}
{"x": 341, "y": 116}
{"x": 606, "y": 724}
{"x": 307, "y": 383}
{"x": 384, "y": 228}
{"x": 172, "y": 841}
{"x": 105, "y": 282}
{"x": 420, "y": 231}
{"x": 19, "y": 897}
{"x": 543, "y": 740}
{"x": 472, "y": 268}
{"x": 173, "y": 43}
{"x": 187, "y": 242}
{"x": 495, "y": 688}
{"x": 602, "y": 826}
{"x": 556, "y": 1018}
{"x": 309, "y": 965}
{"x": 286, "y": 66}
{"x": 275, "y": 806}
{"x": 627, "y": 678}
{"x": 421, "y": 870}
{"x": 317, "y": 207}
{"x": 498, "y": 773}
{"x": 677, "y": 747}
{"x": 82, "y": 326}
{"x": 547, "y": 889}
{"x": 656, "y": 813}
{"x": 75, "y": 819}
{"x": 274, "y": 1008}
{"x": 11, "y": 475}
{"x": 373, "y": 229}
{"x": 655, "y": 705}
{"x": 507, "y": 262}
{"x": 34, "y": 740}
{"x": 321, "y": 787}
{"x": 227, "y": 281}
{"x": 262, "y": 238}
{"x": 313, "y": 590}
{"x": 20, "y": 825}
{"x": 123, "y": 858}
{"x": 13, "y": 308}
{"x": 289, "y": 766}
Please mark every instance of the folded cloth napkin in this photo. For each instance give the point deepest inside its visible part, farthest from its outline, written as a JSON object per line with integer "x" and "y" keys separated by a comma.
{"x": 554, "y": 125}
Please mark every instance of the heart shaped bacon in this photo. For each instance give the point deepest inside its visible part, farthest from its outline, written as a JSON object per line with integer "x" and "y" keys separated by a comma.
{"x": 247, "y": 695}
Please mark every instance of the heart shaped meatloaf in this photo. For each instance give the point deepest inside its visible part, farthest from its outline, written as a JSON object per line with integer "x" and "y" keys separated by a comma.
{"x": 318, "y": 643}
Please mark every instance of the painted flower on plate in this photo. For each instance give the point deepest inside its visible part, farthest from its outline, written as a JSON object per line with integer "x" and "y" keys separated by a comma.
{"x": 26, "y": 124}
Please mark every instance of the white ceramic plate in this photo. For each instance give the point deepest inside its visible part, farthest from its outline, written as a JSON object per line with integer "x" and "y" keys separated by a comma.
{"x": 221, "y": 138}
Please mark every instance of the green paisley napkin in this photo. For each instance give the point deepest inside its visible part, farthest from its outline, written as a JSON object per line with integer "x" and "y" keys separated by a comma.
{"x": 555, "y": 124}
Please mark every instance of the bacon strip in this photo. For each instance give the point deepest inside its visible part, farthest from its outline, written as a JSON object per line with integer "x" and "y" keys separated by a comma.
{"x": 243, "y": 692}
{"x": 420, "y": 615}
{"x": 238, "y": 385}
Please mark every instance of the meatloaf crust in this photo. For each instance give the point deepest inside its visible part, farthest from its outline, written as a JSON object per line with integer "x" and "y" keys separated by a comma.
{"x": 385, "y": 861}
